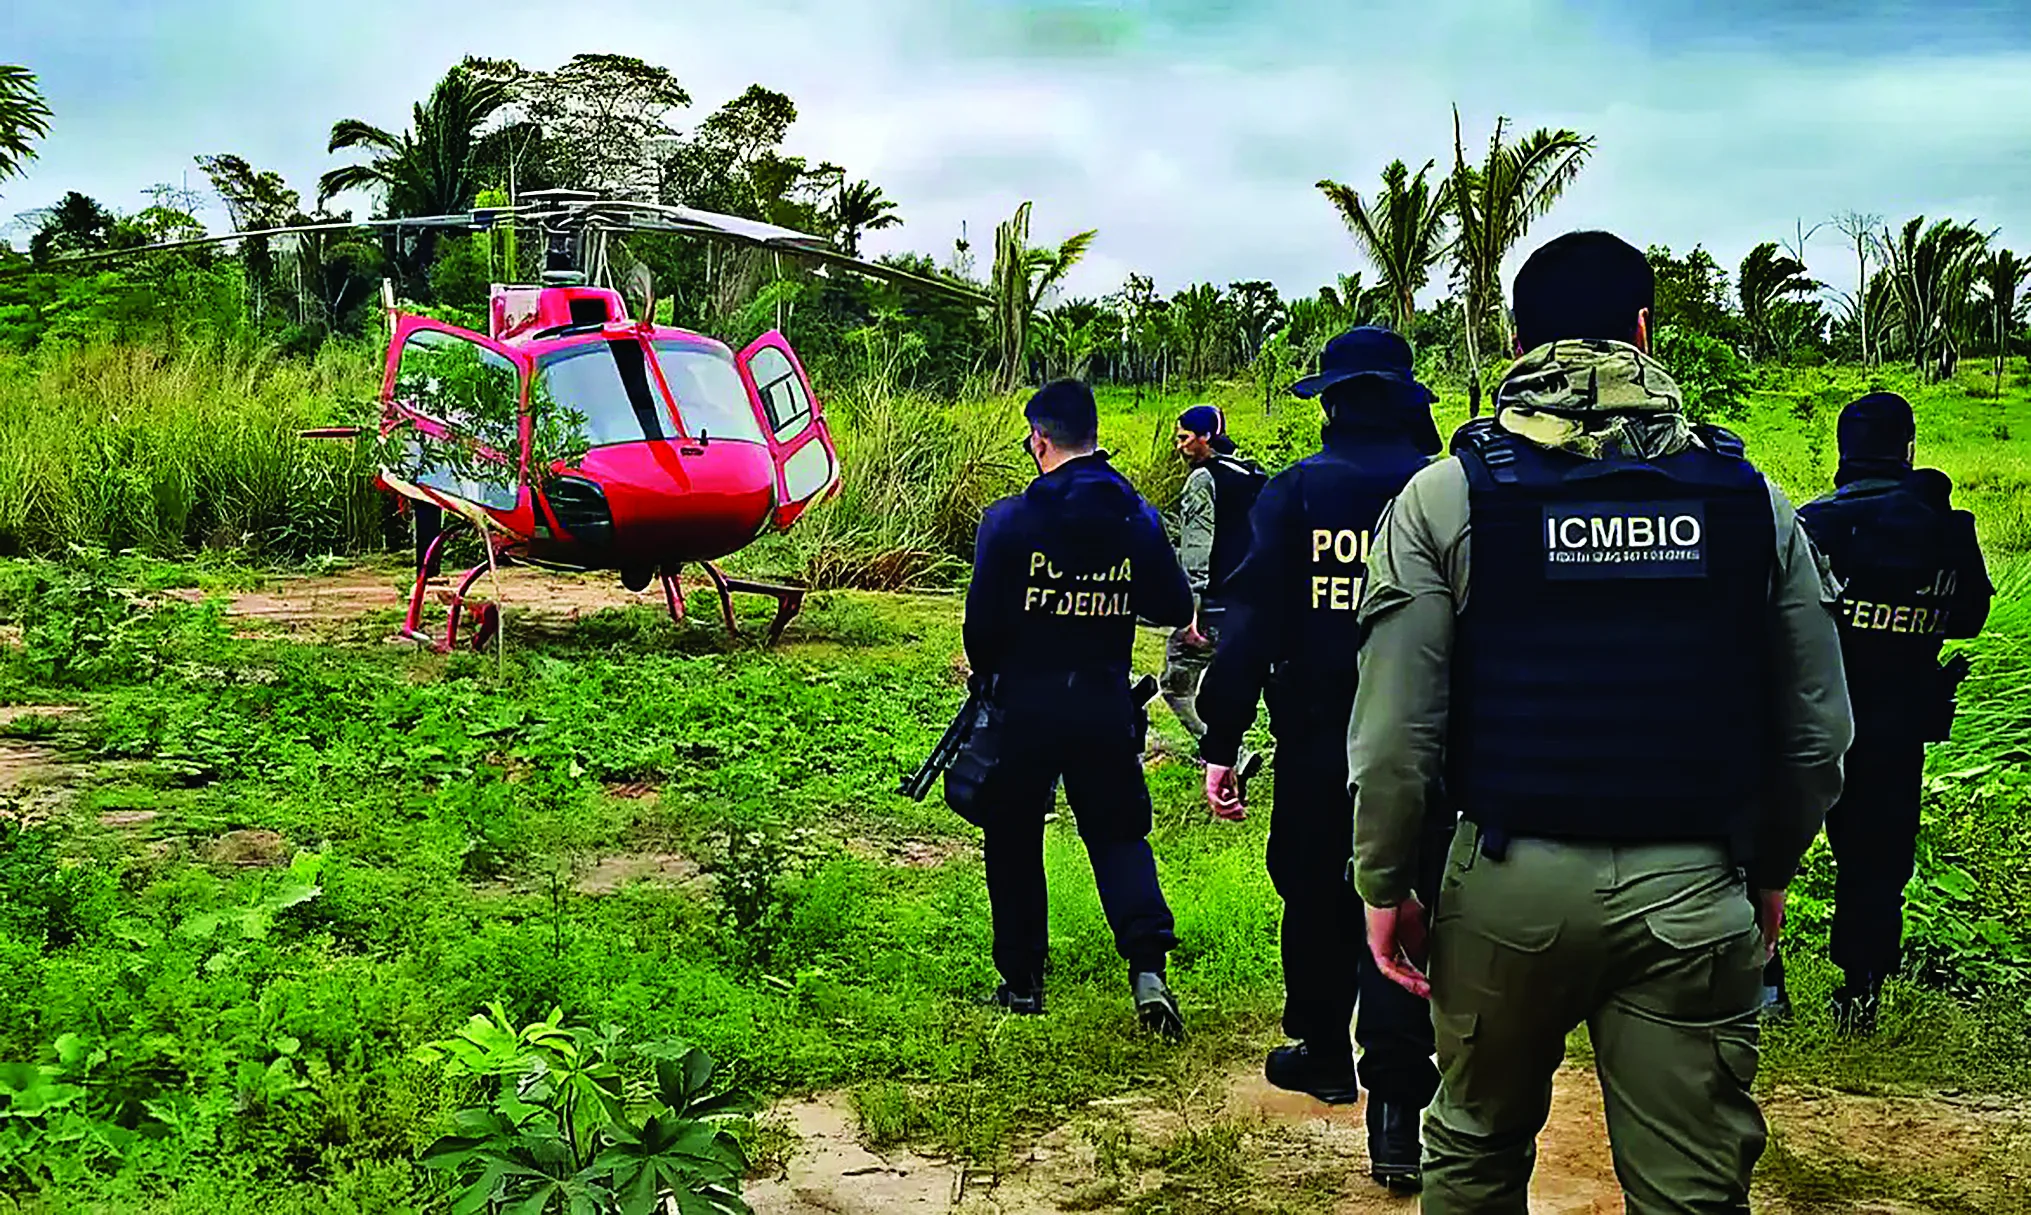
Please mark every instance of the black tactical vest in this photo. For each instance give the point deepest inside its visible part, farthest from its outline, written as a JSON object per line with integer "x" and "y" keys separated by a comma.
{"x": 1235, "y": 487}
{"x": 1609, "y": 672}
{"x": 1895, "y": 554}
{"x": 1340, "y": 494}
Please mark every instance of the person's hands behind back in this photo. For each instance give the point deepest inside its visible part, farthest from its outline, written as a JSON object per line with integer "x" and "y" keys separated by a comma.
{"x": 1223, "y": 793}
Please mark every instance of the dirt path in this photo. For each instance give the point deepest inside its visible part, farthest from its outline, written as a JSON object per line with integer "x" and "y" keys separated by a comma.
{"x": 1290, "y": 1145}
{"x": 297, "y": 604}
{"x": 29, "y": 771}
{"x": 1842, "y": 1152}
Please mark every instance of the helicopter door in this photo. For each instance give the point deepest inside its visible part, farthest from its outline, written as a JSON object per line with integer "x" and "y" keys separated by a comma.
{"x": 807, "y": 464}
{"x": 459, "y": 395}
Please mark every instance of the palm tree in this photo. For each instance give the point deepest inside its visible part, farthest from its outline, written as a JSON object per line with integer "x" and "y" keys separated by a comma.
{"x": 1257, "y": 312}
{"x": 1202, "y": 315}
{"x": 1069, "y": 341}
{"x": 1766, "y": 279}
{"x": 430, "y": 169}
{"x": 1494, "y": 204}
{"x": 1022, "y": 276}
{"x": 1932, "y": 272}
{"x": 861, "y": 208}
{"x": 1403, "y": 233}
{"x": 2002, "y": 275}
{"x": 24, "y": 118}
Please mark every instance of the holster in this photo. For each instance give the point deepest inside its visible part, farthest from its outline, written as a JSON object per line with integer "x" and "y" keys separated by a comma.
{"x": 1140, "y": 694}
{"x": 1934, "y": 713}
{"x": 967, "y": 779}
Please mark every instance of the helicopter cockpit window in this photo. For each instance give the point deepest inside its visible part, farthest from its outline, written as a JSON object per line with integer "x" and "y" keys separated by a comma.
{"x": 608, "y": 382}
{"x": 475, "y": 394}
{"x": 710, "y": 397}
{"x": 782, "y": 391}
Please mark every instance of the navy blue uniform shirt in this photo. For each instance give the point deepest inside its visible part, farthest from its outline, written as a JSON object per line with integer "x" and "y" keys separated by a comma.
{"x": 1291, "y": 606}
{"x": 1912, "y": 577}
{"x": 1062, "y": 570}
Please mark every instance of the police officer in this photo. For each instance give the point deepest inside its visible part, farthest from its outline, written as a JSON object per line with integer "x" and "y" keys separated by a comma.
{"x": 1213, "y": 537}
{"x": 1061, "y": 571}
{"x": 1642, "y": 692}
{"x": 1913, "y": 576}
{"x": 1292, "y": 631}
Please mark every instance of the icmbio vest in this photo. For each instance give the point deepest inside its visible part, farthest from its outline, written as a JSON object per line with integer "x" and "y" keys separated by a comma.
{"x": 1609, "y": 672}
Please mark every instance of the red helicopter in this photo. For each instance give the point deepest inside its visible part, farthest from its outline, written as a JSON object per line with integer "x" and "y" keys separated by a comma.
{"x": 690, "y": 450}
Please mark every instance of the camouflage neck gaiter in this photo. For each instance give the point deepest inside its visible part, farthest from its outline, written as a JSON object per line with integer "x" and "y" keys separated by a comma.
{"x": 1595, "y": 399}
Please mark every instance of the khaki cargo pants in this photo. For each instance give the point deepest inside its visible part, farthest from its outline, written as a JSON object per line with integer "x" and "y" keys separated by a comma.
{"x": 1185, "y": 666}
{"x": 1655, "y": 949}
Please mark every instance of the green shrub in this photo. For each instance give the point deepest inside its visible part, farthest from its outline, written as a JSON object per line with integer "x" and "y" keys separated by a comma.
{"x": 560, "y": 1129}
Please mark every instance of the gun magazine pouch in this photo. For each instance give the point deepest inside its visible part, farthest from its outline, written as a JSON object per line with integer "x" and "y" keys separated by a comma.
{"x": 966, "y": 780}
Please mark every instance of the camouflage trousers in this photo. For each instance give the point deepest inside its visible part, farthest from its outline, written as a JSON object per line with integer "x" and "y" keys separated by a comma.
{"x": 1655, "y": 949}
{"x": 1185, "y": 665}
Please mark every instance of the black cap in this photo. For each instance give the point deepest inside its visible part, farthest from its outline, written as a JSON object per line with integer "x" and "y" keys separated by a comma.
{"x": 1068, "y": 406}
{"x": 1878, "y": 426}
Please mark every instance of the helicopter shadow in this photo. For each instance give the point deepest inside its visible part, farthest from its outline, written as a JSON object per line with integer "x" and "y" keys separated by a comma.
{"x": 830, "y": 620}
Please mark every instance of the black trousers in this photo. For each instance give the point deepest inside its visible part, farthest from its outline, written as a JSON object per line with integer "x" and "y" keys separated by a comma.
{"x": 1080, "y": 728}
{"x": 1327, "y": 969}
{"x": 1874, "y": 833}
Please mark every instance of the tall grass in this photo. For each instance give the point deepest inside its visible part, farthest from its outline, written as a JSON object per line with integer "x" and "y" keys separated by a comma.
{"x": 918, "y": 475}
{"x": 125, "y": 447}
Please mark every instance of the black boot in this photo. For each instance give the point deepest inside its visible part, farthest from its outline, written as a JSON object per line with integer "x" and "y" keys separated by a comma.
{"x": 1394, "y": 1152}
{"x": 1155, "y": 1007}
{"x": 1855, "y": 1003}
{"x": 1321, "y": 1074}
{"x": 1024, "y": 999}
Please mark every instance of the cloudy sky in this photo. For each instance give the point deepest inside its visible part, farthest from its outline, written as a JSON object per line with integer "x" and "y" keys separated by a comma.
{"x": 1189, "y": 132}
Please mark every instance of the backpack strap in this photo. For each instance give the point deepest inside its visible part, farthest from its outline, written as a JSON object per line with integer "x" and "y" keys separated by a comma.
{"x": 1722, "y": 440}
{"x": 1488, "y": 445}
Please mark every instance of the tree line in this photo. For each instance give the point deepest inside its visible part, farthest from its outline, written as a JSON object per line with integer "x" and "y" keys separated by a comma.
{"x": 493, "y": 130}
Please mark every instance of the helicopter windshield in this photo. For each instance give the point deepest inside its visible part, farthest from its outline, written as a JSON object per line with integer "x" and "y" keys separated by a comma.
{"x": 607, "y": 382}
{"x": 710, "y": 396}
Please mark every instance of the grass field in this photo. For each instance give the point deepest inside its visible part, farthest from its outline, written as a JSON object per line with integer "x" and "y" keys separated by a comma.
{"x": 258, "y": 867}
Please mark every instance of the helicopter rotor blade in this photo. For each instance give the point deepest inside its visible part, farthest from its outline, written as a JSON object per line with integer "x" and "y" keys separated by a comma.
{"x": 958, "y": 292}
{"x": 687, "y": 221}
{"x": 477, "y": 219}
{"x": 565, "y": 210}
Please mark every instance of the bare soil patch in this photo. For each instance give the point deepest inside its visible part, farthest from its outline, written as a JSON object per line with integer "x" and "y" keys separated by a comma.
{"x": 25, "y": 764}
{"x": 1939, "y": 1153}
{"x": 832, "y": 1174}
{"x": 296, "y": 604}
{"x": 1292, "y": 1152}
{"x": 250, "y": 849}
{"x": 9, "y": 714}
{"x": 909, "y": 853}
{"x": 128, "y": 818}
{"x": 611, "y": 873}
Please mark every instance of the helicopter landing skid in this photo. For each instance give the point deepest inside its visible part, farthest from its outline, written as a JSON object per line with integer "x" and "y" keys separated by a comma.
{"x": 789, "y": 599}
{"x": 486, "y": 614}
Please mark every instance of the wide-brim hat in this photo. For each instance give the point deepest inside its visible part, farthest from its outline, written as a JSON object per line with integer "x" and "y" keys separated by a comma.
{"x": 1369, "y": 351}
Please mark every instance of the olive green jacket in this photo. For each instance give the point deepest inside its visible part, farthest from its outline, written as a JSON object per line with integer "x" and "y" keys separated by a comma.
{"x": 1418, "y": 584}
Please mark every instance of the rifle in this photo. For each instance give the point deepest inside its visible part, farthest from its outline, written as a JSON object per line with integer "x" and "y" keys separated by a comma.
{"x": 918, "y": 784}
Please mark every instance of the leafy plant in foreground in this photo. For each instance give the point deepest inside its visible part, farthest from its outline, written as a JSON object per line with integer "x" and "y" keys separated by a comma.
{"x": 562, "y": 1132}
